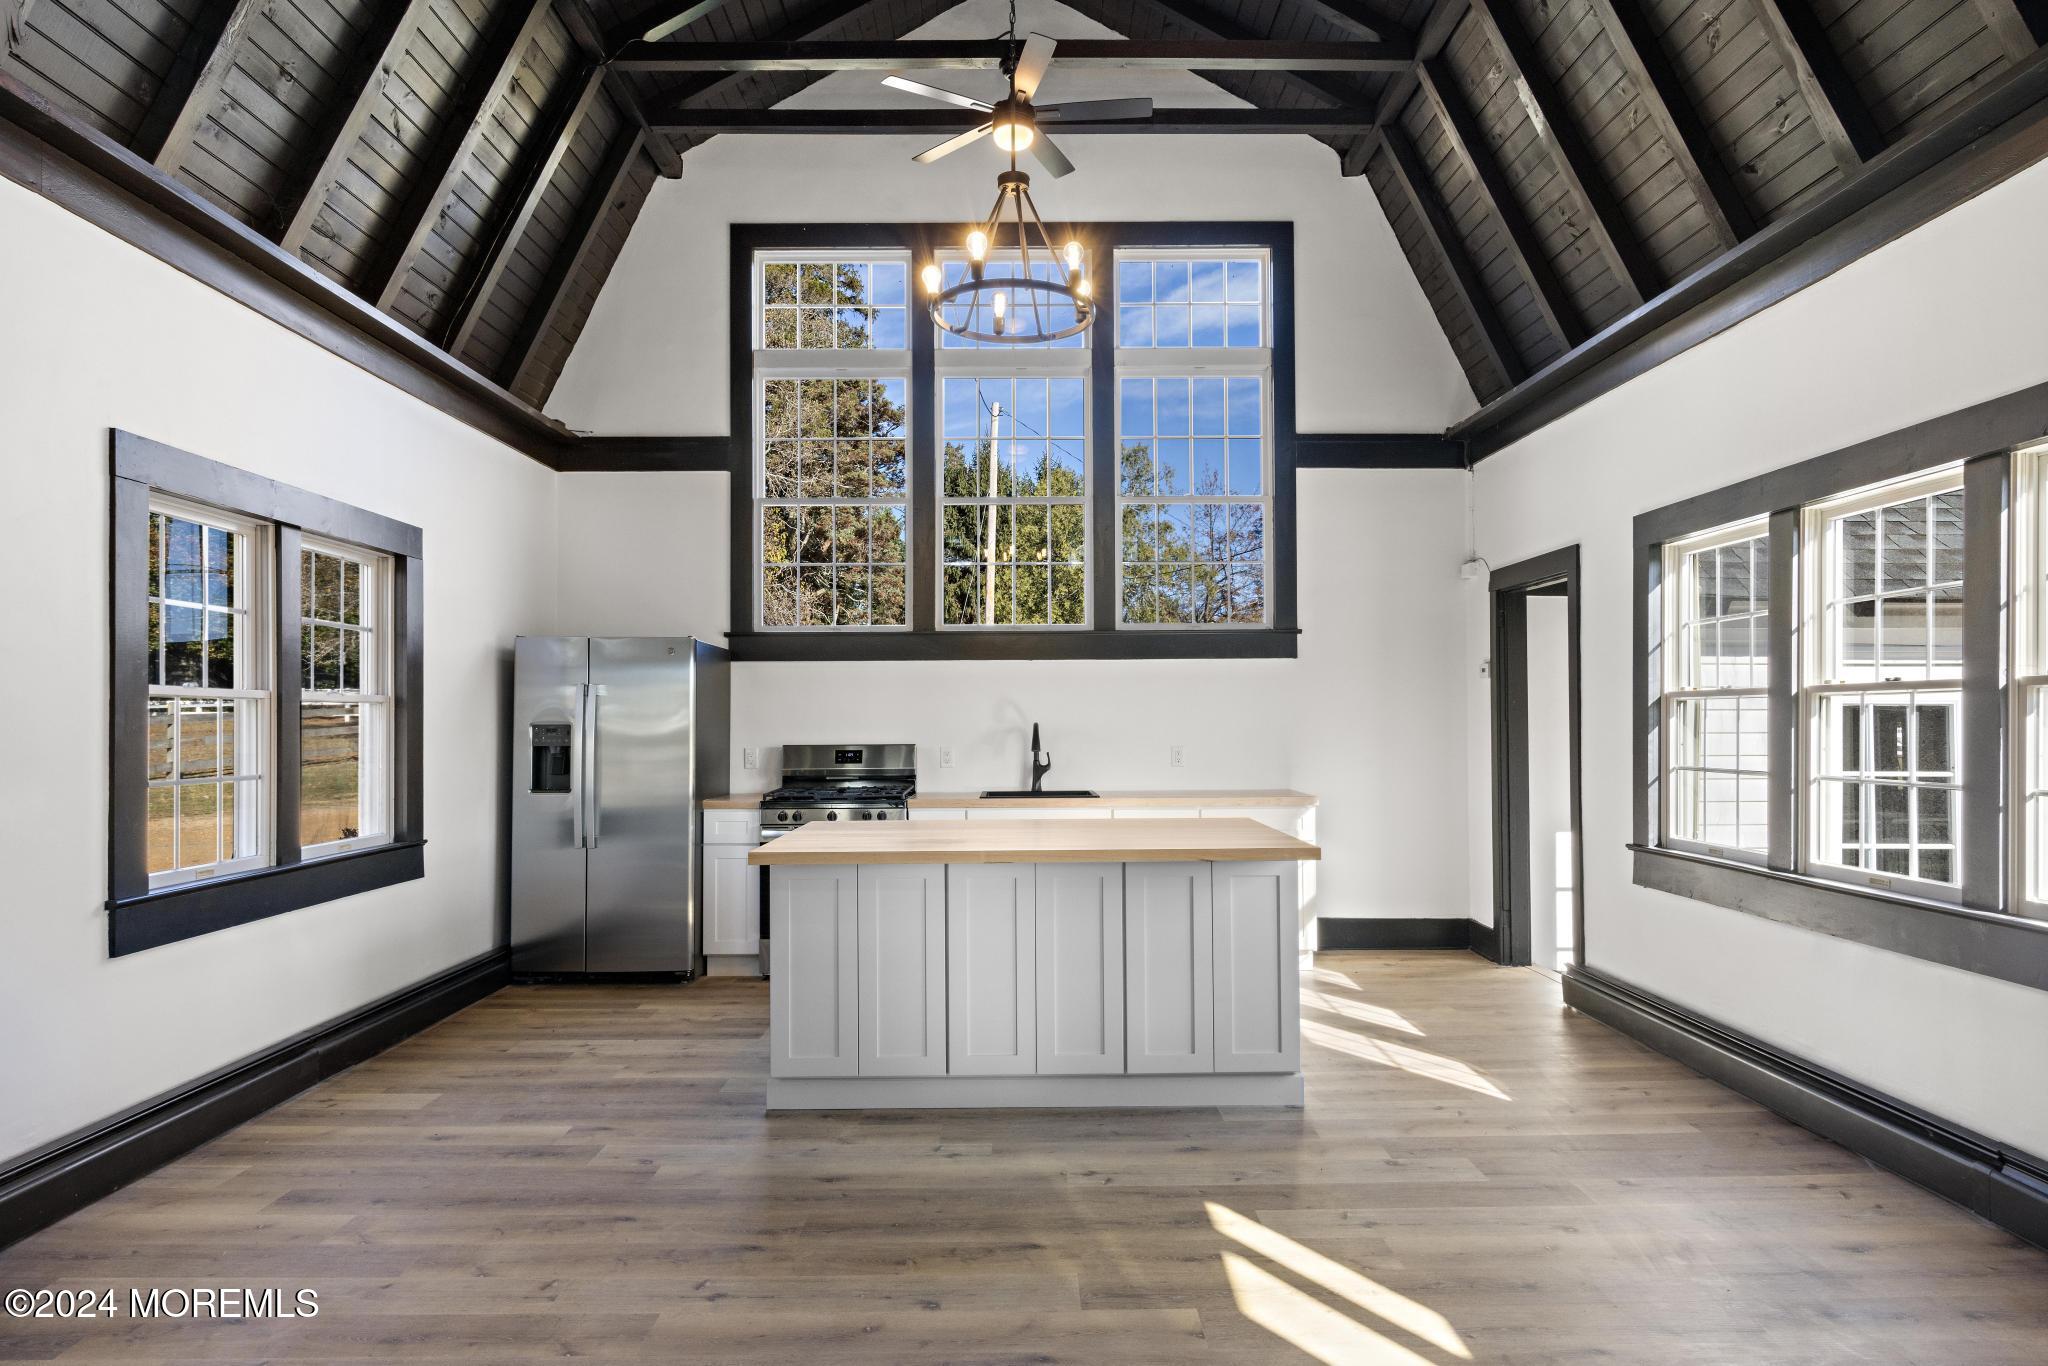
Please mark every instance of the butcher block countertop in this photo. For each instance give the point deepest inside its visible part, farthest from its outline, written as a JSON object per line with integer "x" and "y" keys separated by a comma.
{"x": 1216, "y": 839}
{"x": 961, "y": 801}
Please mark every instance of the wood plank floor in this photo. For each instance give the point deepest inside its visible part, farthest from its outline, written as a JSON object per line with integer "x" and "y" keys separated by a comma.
{"x": 1481, "y": 1176}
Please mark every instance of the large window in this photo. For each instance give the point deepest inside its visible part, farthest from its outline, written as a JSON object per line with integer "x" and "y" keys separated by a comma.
{"x": 1845, "y": 681}
{"x": 1124, "y": 492}
{"x": 1716, "y": 699}
{"x": 265, "y": 744}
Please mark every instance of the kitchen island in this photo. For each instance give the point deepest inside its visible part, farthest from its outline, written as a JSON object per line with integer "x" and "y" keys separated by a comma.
{"x": 1073, "y": 963}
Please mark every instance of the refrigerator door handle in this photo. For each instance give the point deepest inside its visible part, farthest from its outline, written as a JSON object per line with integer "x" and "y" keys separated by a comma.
{"x": 593, "y": 818}
{"x": 579, "y": 740}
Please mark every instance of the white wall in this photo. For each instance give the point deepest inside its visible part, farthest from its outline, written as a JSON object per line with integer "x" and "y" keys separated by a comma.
{"x": 1362, "y": 718}
{"x": 1550, "y": 785}
{"x": 1948, "y": 316}
{"x": 97, "y": 335}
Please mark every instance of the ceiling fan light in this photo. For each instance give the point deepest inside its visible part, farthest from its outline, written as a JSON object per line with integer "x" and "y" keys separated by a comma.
{"x": 1014, "y": 136}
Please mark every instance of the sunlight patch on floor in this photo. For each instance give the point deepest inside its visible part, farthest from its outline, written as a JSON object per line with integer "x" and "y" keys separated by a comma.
{"x": 1329, "y": 978}
{"x": 1359, "y": 1011}
{"x": 1414, "y": 1060}
{"x": 1306, "y": 1322}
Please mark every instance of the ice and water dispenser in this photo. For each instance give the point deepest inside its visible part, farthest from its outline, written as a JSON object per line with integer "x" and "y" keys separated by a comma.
{"x": 550, "y": 758}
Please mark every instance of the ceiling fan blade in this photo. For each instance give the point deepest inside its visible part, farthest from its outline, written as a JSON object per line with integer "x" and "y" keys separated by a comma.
{"x": 1095, "y": 111}
{"x": 1052, "y": 158}
{"x": 1031, "y": 65}
{"x": 952, "y": 144}
{"x": 932, "y": 92}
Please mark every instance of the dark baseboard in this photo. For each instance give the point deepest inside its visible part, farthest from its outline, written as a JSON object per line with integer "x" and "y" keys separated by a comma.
{"x": 72, "y": 1172}
{"x": 2007, "y": 1187}
{"x": 1485, "y": 941}
{"x": 1369, "y": 932}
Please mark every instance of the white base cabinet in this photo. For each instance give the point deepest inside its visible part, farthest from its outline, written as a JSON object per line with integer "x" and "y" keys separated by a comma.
{"x": 1037, "y": 984}
{"x": 732, "y": 900}
{"x": 1080, "y": 968}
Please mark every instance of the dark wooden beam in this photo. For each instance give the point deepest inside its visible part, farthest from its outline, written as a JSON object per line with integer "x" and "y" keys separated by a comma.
{"x": 589, "y": 38}
{"x": 1801, "y": 41}
{"x": 336, "y": 144}
{"x": 613, "y": 454}
{"x": 606, "y": 194}
{"x": 1437, "y": 28}
{"x": 1413, "y": 179}
{"x": 1469, "y": 145}
{"x": 1368, "y": 18}
{"x": 1551, "y": 120}
{"x": 819, "y": 21}
{"x": 2021, "y": 26}
{"x": 1997, "y": 133}
{"x": 652, "y": 23}
{"x": 507, "y": 220}
{"x": 192, "y": 81}
{"x": 1662, "y": 96}
{"x": 1377, "y": 451}
{"x": 687, "y": 58}
{"x": 485, "y": 79}
{"x": 905, "y": 122}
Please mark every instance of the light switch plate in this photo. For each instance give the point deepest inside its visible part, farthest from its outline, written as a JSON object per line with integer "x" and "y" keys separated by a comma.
{"x": 750, "y": 757}
{"x": 1174, "y": 757}
{"x": 945, "y": 756}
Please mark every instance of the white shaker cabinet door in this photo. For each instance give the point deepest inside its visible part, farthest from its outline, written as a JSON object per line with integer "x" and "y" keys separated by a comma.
{"x": 732, "y": 900}
{"x": 1169, "y": 992}
{"x": 812, "y": 917}
{"x": 1258, "y": 992}
{"x": 902, "y": 970}
{"x": 991, "y": 955}
{"x": 1080, "y": 968}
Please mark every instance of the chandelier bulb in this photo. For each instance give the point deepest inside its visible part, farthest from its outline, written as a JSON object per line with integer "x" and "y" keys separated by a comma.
{"x": 977, "y": 246}
{"x": 1001, "y": 302}
{"x": 933, "y": 278}
{"x": 1073, "y": 255}
{"x": 1084, "y": 287}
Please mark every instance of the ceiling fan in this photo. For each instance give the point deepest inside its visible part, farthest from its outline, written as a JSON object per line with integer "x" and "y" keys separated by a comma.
{"x": 1014, "y": 121}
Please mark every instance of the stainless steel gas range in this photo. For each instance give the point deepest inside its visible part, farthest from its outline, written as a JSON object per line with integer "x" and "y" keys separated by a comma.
{"x": 835, "y": 783}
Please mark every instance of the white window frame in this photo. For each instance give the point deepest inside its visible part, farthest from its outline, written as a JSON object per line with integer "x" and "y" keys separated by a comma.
{"x": 2027, "y": 719}
{"x": 255, "y": 747}
{"x": 1015, "y": 362}
{"x": 1679, "y": 611}
{"x": 1153, "y": 362}
{"x": 1817, "y": 571}
{"x": 800, "y": 363}
{"x": 373, "y": 701}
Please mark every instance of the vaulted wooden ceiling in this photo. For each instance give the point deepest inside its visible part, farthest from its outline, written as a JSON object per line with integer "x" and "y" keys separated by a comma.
{"x": 471, "y": 168}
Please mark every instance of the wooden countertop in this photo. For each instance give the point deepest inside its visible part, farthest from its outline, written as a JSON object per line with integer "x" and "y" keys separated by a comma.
{"x": 1270, "y": 796}
{"x": 1216, "y": 839}
{"x": 739, "y": 801}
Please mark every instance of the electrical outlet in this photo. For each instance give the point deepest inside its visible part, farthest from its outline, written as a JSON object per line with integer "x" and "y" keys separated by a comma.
{"x": 1174, "y": 756}
{"x": 750, "y": 757}
{"x": 945, "y": 756}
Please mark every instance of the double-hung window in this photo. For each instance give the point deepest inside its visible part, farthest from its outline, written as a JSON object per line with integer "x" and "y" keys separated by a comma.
{"x": 1716, "y": 699}
{"x": 265, "y": 739}
{"x": 1194, "y": 366}
{"x": 2029, "y": 724}
{"x": 1882, "y": 683}
{"x": 1013, "y": 470}
{"x": 210, "y": 703}
{"x": 831, "y": 474}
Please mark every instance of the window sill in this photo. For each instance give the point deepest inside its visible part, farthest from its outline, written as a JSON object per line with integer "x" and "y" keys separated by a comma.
{"x": 999, "y": 643}
{"x": 2009, "y": 947}
{"x": 169, "y": 914}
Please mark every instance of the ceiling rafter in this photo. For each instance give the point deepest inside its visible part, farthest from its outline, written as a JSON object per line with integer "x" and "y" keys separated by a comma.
{"x": 487, "y": 75}
{"x": 1437, "y": 28}
{"x": 539, "y": 158}
{"x": 1844, "y": 120}
{"x": 607, "y": 192}
{"x": 589, "y": 38}
{"x": 677, "y": 57}
{"x": 820, "y": 22}
{"x": 1367, "y": 17}
{"x": 2021, "y": 26}
{"x": 193, "y": 81}
{"x": 1551, "y": 120}
{"x": 1468, "y": 144}
{"x": 937, "y": 122}
{"x": 1662, "y": 96}
{"x": 1412, "y": 179}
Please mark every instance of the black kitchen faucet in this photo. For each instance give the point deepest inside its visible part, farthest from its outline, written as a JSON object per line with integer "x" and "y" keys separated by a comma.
{"x": 1038, "y": 770}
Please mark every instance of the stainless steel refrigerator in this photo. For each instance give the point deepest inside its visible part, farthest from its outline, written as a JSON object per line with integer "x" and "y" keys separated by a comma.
{"x": 615, "y": 740}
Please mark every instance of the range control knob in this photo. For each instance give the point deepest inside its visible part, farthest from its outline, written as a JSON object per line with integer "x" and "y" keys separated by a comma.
{"x": 782, "y": 815}
{"x": 831, "y": 815}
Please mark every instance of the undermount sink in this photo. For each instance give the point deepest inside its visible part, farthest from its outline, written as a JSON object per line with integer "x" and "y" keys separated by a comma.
{"x": 1049, "y": 792}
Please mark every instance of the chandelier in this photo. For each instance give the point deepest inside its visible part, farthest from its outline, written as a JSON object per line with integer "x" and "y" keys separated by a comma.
{"x": 1020, "y": 309}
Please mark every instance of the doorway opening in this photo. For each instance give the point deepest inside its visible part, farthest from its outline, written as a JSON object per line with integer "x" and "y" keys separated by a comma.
{"x": 1539, "y": 863}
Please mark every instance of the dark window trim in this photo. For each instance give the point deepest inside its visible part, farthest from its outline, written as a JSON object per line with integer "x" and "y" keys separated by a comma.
{"x": 139, "y": 918}
{"x": 1979, "y": 934}
{"x": 924, "y": 640}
